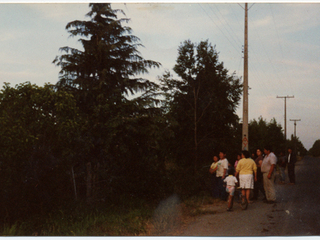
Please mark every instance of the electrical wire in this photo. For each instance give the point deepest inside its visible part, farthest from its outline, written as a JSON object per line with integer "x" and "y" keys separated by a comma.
{"x": 235, "y": 47}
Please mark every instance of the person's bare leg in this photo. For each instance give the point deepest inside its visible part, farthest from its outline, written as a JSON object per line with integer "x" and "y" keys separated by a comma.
{"x": 243, "y": 194}
{"x": 230, "y": 202}
{"x": 248, "y": 195}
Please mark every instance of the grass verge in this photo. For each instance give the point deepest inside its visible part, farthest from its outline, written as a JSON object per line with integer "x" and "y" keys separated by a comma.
{"x": 133, "y": 218}
{"x": 103, "y": 220}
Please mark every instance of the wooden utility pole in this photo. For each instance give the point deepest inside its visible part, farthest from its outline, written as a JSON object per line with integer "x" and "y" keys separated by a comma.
{"x": 295, "y": 134}
{"x": 295, "y": 125}
{"x": 285, "y": 114}
{"x": 245, "y": 132}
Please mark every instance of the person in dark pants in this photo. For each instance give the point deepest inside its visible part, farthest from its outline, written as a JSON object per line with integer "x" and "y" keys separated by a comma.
{"x": 258, "y": 185}
{"x": 291, "y": 161}
{"x": 221, "y": 173}
{"x": 214, "y": 179}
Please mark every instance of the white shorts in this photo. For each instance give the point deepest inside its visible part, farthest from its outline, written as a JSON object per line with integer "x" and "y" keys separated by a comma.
{"x": 246, "y": 181}
{"x": 231, "y": 190}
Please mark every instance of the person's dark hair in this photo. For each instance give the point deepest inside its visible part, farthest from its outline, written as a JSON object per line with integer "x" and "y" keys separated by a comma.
{"x": 231, "y": 171}
{"x": 268, "y": 148}
{"x": 246, "y": 153}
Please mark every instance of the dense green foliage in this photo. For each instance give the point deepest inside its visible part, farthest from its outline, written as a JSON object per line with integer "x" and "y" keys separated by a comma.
{"x": 201, "y": 109}
{"x": 39, "y": 132}
{"x": 263, "y": 133}
{"x": 297, "y": 146}
{"x": 315, "y": 149}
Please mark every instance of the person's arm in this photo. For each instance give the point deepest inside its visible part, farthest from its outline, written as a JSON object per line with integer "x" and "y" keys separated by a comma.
{"x": 224, "y": 173}
{"x": 213, "y": 170}
{"x": 255, "y": 172}
{"x": 237, "y": 169}
{"x": 271, "y": 170}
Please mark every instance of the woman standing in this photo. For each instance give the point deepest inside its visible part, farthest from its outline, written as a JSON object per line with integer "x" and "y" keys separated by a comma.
{"x": 246, "y": 168}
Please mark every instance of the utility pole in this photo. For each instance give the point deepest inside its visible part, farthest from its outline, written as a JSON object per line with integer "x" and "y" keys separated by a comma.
{"x": 285, "y": 114}
{"x": 295, "y": 135}
{"x": 245, "y": 132}
{"x": 295, "y": 125}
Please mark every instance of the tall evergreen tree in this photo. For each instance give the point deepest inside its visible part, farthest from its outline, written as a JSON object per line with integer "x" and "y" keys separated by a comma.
{"x": 106, "y": 69}
{"x": 101, "y": 77}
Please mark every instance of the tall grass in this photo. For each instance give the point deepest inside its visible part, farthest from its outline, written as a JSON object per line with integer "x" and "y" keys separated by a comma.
{"x": 126, "y": 218}
{"x": 102, "y": 220}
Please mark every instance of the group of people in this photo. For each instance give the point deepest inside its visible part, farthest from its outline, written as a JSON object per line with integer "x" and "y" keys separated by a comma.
{"x": 250, "y": 175}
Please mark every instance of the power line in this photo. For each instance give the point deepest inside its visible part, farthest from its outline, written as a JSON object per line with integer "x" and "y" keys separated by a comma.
{"x": 279, "y": 42}
{"x": 232, "y": 35}
{"x": 236, "y": 48}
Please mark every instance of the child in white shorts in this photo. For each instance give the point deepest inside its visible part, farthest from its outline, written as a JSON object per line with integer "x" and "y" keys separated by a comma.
{"x": 231, "y": 182}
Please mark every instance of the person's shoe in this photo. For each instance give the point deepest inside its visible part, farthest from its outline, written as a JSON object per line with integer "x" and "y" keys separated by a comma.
{"x": 229, "y": 209}
{"x": 291, "y": 183}
{"x": 244, "y": 204}
{"x": 271, "y": 202}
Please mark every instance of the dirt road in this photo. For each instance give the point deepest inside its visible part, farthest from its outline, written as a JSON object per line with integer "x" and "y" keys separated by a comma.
{"x": 296, "y": 212}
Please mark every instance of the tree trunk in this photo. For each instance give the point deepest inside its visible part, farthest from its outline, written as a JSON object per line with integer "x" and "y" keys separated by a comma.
{"x": 89, "y": 182}
{"x": 74, "y": 184}
{"x": 195, "y": 130}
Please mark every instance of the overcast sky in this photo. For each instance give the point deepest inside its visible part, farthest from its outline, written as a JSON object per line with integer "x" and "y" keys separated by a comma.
{"x": 284, "y": 48}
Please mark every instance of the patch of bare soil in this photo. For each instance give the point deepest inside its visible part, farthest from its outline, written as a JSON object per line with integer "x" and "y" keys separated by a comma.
{"x": 172, "y": 217}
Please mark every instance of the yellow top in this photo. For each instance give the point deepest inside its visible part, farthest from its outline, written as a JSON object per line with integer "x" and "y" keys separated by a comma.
{"x": 246, "y": 166}
{"x": 214, "y": 165}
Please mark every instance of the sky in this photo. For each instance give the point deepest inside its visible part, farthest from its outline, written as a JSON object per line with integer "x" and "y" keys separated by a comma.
{"x": 283, "y": 39}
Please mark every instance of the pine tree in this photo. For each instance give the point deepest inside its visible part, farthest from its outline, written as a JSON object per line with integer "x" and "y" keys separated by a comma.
{"x": 102, "y": 76}
{"x": 109, "y": 62}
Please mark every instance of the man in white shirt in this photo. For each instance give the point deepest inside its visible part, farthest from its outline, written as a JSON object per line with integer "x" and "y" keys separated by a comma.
{"x": 268, "y": 170}
{"x": 222, "y": 173}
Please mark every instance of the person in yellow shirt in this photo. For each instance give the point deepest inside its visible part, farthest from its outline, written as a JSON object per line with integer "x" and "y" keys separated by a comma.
{"x": 246, "y": 168}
